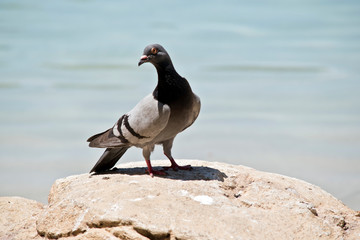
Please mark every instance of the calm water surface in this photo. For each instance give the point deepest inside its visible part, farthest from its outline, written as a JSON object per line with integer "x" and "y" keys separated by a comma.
{"x": 279, "y": 83}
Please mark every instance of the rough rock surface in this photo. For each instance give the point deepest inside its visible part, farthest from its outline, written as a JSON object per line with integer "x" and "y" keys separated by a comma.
{"x": 18, "y": 217}
{"x": 213, "y": 201}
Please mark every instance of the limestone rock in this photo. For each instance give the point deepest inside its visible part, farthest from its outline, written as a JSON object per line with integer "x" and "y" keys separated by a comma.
{"x": 213, "y": 201}
{"x": 17, "y": 218}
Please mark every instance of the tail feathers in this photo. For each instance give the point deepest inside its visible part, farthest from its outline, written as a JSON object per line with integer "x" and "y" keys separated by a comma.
{"x": 108, "y": 159}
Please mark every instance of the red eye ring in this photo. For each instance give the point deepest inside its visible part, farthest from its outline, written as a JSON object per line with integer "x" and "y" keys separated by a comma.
{"x": 154, "y": 50}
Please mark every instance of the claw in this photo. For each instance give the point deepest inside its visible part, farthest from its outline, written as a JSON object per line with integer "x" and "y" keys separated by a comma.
{"x": 155, "y": 172}
{"x": 176, "y": 167}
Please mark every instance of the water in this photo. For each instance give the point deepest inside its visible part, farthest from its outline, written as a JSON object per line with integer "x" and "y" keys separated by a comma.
{"x": 279, "y": 83}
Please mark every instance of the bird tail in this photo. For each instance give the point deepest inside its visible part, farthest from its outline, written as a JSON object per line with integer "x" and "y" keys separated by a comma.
{"x": 109, "y": 159}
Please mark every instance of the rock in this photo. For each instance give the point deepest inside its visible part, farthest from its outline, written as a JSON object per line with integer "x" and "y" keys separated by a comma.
{"x": 18, "y": 217}
{"x": 213, "y": 201}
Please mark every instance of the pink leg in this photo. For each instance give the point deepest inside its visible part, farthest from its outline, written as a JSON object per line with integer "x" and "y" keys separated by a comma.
{"x": 175, "y": 166}
{"x": 153, "y": 172}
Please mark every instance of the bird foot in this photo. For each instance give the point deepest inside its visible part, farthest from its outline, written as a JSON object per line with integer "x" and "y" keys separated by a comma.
{"x": 176, "y": 167}
{"x": 152, "y": 173}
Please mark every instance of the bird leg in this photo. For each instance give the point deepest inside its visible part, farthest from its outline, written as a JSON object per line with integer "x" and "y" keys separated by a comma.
{"x": 167, "y": 145}
{"x": 153, "y": 172}
{"x": 175, "y": 166}
{"x": 146, "y": 153}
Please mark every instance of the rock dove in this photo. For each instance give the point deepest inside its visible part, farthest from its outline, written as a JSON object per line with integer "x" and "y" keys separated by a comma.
{"x": 157, "y": 119}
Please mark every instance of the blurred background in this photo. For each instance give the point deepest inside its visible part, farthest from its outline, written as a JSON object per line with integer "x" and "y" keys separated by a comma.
{"x": 279, "y": 83}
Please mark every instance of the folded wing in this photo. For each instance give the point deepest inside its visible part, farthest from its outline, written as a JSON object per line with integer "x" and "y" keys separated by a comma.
{"x": 139, "y": 126}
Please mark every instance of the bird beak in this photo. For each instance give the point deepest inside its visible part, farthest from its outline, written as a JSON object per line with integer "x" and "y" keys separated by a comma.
{"x": 143, "y": 59}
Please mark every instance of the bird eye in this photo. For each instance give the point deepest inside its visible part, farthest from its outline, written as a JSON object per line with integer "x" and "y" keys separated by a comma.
{"x": 154, "y": 50}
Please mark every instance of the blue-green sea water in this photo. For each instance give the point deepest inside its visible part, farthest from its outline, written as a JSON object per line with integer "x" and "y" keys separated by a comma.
{"x": 279, "y": 82}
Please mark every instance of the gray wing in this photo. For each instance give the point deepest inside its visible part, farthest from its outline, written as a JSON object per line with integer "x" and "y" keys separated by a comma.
{"x": 141, "y": 125}
{"x": 105, "y": 140}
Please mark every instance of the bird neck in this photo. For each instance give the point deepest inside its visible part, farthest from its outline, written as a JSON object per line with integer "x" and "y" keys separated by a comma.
{"x": 171, "y": 86}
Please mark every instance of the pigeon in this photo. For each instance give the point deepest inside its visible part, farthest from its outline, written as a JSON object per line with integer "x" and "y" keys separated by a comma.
{"x": 155, "y": 120}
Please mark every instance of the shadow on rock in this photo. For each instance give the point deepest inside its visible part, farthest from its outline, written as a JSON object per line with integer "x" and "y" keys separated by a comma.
{"x": 196, "y": 173}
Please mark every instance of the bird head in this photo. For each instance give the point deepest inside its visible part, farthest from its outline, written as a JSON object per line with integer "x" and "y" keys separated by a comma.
{"x": 156, "y": 55}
